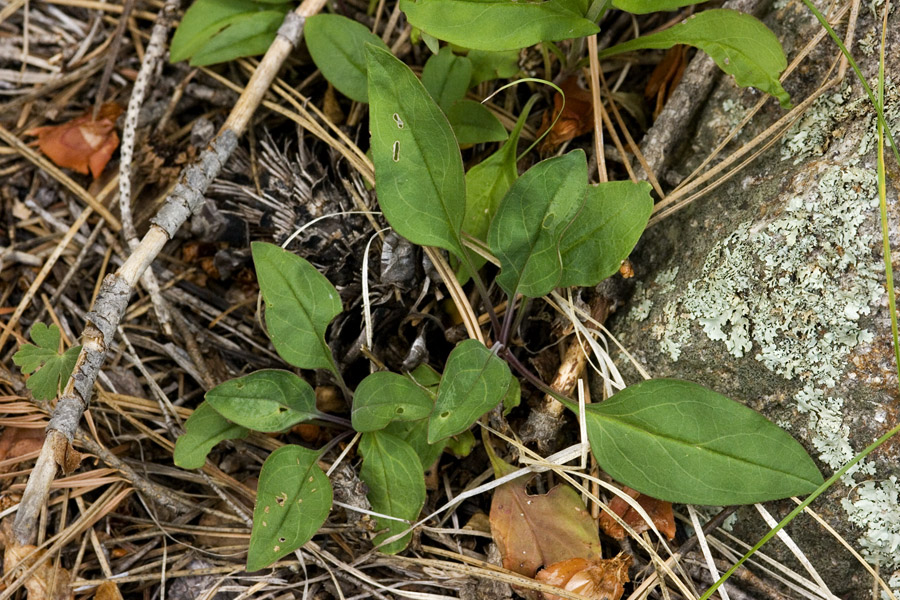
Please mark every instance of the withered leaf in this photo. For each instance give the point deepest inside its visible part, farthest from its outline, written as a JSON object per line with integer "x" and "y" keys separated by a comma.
{"x": 83, "y": 144}
{"x": 576, "y": 117}
{"x": 658, "y": 510}
{"x": 599, "y": 579}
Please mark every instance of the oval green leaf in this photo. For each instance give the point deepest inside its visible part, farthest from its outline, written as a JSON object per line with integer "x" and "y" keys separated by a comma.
{"x": 642, "y": 7}
{"x": 473, "y": 123}
{"x": 530, "y": 221}
{"x": 384, "y": 397}
{"x": 739, "y": 43}
{"x": 393, "y": 473}
{"x": 204, "y": 429}
{"x": 268, "y": 400}
{"x": 418, "y": 168}
{"x": 338, "y": 47}
{"x": 678, "y": 441}
{"x": 446, "y": 76}
{"x": 497, "y": 24}
{"x": 292, "y": 501}
{"x": 475, "y": 380}
{"x": 415, "y": 433}
{"x": 604, "y": 234}
{"x": 300, "y": 303}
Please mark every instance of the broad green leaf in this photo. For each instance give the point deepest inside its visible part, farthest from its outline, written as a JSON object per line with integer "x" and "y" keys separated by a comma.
{"x": 204, "y": 429}
{"x": 415, "y": 433}
{"x": 497, "y": 25}
{"x": 338, "y": 47}
{"x": 615, "y": 214}
{"x": 678, "y": 441}
{"x": 642, "y": 7}
{"x": 384, "y": 397}
{"x": 487, "y": 66}
{"x": 220, "y": 30}
{"x": 475, "y": 381}
{"x": 268, "y": 400}
{"x": 513, "y": 396}
{"x": 418, "y": 168}
{"x": 54, "y": 368}
{"x": 300, "y": 303}
{"x": 739, "y": 43}
{"x": 473, "y": 123}
{"x": 461, "y": 444}
{"x": 446, "y": 76}
{"x": 426, "y": 377}
{"x": 393, "y": 472}
{"x": 292, "y": 501}
{"x": 531, "y": 219}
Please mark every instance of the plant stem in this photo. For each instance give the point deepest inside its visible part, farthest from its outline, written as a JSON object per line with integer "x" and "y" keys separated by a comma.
{"x": 482, "y": 291}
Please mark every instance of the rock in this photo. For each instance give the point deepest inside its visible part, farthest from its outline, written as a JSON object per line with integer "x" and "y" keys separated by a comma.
{"x": 770, "y": 289}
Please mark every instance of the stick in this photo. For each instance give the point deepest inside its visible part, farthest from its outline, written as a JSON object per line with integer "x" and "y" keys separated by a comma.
{"x": 112, "y": 300}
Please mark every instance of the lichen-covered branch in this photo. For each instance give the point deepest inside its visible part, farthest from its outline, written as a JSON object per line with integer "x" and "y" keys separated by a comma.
{"x": 117, "y": 287}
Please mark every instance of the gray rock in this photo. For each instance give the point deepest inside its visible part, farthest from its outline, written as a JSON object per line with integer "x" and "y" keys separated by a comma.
{"x": 770, "y": 289}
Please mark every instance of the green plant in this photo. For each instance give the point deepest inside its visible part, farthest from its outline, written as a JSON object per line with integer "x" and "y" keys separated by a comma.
{"x": 546, "y": 228}
{"x": 52, "y": 367}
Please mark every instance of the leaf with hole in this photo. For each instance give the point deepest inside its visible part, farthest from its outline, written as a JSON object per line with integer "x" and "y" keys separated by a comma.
{"x": 384, "y": 397}
{"x": 678, "y": 441}
{"x": 739, "y": 43}
{"x": 393, "y": 472}
{"x": 53, "y": 369}
{"x": 418, "y": 168}
{"x": 300, "y": 303}
{"x": 269, "y": 400}
{"x": 202, "y": 431}
{"x": 338, "y": 47}
{"x": 642, "y": 7}
{"x": 446, "y": 76}
{"x": 214, "y": 31}
{"x": 475, "y": 381}
{"x": 473, "y": 123}
{"x": 292, "y": 501}
{"x": 530, "y": 221}
{"x": 497, "y": 25}
{"x": 615, "y": 214}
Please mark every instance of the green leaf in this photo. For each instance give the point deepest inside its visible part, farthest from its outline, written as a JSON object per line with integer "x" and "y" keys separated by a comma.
{"x": 642, "y": 7}
{"x": 462, "y": 444}
{"x": 678, "y": 441}
{"x": 497, "y": 25}
{"x": 338, "y": 47}
{"x": 531, "y": 219}
{"x": 204, "y": 429}
{"x": 739, "y": 43}
{"x": 475, "y": 381}
{"x": 446, "y": 76}
{"x": 268, "y": 400}
{"x": 292, "y": 501}
{"x": 55, "y": 368}
{"x": 220, "y": 30}
{"x": 473, "y": 123}
{"x": 487, "y": 66}
{"x": 384, "y": 397}
{"x": 415, "y": 433}
{"x": 300, "y": 303}
{"x": 604, "y": 234}
{"x": 426, "y": 377}
{"x": 513, "y": 396}
{"x": 393, "y": 473}
{"x": 418, "y": 168}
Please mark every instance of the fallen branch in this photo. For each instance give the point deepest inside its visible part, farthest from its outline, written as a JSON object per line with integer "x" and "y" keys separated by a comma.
{"x": 111, "y": 302}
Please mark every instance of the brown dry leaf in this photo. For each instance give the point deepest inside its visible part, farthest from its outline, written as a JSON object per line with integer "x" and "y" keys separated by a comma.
{"x": 666, "y": 76}
{"x": 108, "y": 590}
{"x": 47, "y": 582}
{"x": 599, "y": 579}
{"x": 19, "y": 441}
{"x": 67, "y": 457}
{"x": 577, "y": 116}
{"x": 659, "y": 511}
{"x": 531, "y": 531}
{"x": 82, "y": 144}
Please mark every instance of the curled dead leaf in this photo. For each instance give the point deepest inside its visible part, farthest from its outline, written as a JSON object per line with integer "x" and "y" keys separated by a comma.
{"x": 576, "y": 117}
{"x": 598, "y": 579}
{"x": 658, "y": 510}
{"x": 83, "y": 144}
{"x": 47, "y": 582}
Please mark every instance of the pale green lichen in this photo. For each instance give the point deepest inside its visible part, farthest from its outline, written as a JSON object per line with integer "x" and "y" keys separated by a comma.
{"x": 876, "y": 508}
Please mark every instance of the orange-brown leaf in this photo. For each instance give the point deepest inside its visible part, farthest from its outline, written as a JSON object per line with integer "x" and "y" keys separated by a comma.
{"x": 535, "y": 530}
{"x": 19, "y": 441}
{"x": 658, "y": 510}
{"x": 575, "y": 118}
{"x": 666, "y": 76}
{"x": 47, "y": 582}
{"x": 599, "y": 579}
{"x": 83, "y": 144}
